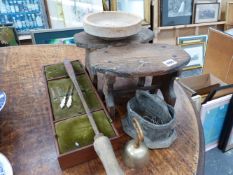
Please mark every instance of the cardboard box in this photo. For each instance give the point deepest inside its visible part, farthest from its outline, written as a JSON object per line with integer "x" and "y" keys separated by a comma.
{"x": 219, "y": 55}
{"x": 201, "y": 84}
{"x": 213, "y": 112}
{"x": 218, "y": 69}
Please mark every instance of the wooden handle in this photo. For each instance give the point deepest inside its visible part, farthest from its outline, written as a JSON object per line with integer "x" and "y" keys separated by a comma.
{"x": 140, "y": 135}
{"x": 104, "y": 150}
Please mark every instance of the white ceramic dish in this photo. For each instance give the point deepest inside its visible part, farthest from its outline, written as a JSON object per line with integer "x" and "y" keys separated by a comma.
{"x": 5, "y": 166}
{"x": 112, "y": 24}
{"x": 2, "y": 100}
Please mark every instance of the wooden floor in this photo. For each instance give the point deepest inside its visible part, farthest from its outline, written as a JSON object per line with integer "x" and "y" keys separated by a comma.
{"x": 26, "y": 133}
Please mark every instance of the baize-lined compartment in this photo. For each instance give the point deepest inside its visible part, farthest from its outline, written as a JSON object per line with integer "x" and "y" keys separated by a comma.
{"x": 77, "y": 132}
{"x": 60, "y": 87}
{"x": 58, "y": 70}
{"x": 72, "y": 127}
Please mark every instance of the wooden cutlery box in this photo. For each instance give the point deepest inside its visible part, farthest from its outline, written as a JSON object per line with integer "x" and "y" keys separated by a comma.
{"x": 72, "y": 131}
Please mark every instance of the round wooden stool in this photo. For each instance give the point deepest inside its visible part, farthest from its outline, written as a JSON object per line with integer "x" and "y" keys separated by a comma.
{"x": 160, "y": 61}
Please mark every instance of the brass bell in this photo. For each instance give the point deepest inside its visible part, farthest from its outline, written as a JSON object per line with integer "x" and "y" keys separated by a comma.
{"x": 136, "y": 154}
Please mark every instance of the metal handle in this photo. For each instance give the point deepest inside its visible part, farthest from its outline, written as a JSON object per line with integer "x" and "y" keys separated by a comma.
{"x": 70, "y": 72}
{"x": 140, "y": 135}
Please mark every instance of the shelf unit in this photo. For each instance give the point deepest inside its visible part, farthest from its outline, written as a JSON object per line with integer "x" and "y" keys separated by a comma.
{"x": 168, "y": 34}
{"x": 192, "y": 25}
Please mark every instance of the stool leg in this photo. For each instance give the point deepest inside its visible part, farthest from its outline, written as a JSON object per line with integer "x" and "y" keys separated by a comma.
{"x": 109, "y": 81}
{"x": 87, "y": 64}
{"x": 92, "y": 75}
{"x": 166, "y": 87}
{"x": 154, "y": 82}
{"x": 141, "y": 81}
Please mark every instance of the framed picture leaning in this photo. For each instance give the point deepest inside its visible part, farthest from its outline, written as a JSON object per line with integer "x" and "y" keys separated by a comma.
{"x": 55, "y": 36}
{"x": 206, "y": 12}
{"x": 192, "y": 39}
{"x": 197, "y": 54}
{"x": 176, "y": 12}
{"x": 212, "y": 115}
{"x": 226, "y": 138}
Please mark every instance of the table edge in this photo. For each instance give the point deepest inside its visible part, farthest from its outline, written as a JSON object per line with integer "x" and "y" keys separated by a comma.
{"x": 201, "y": 156}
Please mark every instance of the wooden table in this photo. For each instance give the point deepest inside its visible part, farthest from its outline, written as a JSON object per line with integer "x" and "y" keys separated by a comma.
{"x": 160, "y": 61}
{"x": 26, "y": 134}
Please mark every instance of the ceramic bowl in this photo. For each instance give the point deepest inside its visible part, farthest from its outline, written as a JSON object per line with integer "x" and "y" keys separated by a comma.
{"x": 5, "y": 166}
{"x": 112, "y": 24}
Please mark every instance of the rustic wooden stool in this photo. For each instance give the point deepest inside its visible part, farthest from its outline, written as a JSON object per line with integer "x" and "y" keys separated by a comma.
{"x": 91, "y": 43}
{"x": 160, "y": 61}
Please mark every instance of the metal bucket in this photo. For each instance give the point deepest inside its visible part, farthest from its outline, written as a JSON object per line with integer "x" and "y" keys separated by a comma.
{"x": 156, "y": 118}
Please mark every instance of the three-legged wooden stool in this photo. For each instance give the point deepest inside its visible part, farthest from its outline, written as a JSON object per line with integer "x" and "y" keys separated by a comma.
{"x": 160, "y": 61}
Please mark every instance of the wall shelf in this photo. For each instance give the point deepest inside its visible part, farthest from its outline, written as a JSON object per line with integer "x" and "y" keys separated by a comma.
{"x": 192, "y": 25}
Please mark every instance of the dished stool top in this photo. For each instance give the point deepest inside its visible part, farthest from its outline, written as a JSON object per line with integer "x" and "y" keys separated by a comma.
{"x": 138, "y": 60}
{"x": 87, "y": 41}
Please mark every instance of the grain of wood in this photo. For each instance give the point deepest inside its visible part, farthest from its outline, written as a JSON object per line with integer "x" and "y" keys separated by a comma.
{"x": 138, "y": 60}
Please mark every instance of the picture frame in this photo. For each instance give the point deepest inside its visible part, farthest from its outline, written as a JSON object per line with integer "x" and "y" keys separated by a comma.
{"x": 219, "y": 91}
{"x": 26, "y": 15}
{"x": 226, "y": 138}
{"x": 213, "y": 114}
{"x": 229, "y": 13}
{"x": 140, "y": 8}
{"x": 191, "y": 71}
{"x": 55, "y": 36}
{"x": 8, "y": 36}
{"x": 176, "y": 12}
{"x": 192, "y": 39}
{"x": 197, "y": 54}
{"x": 70, "y": 13}
{"x": 206, "y": 12}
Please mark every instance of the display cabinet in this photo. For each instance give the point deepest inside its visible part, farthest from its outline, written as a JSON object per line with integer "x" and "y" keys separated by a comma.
{"x": 26, "y": 15}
